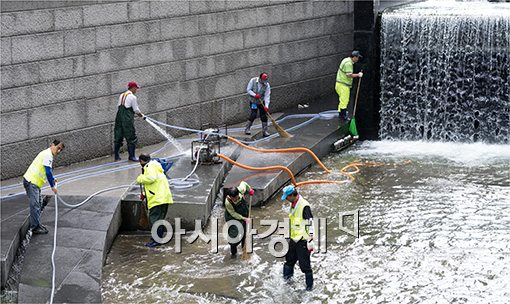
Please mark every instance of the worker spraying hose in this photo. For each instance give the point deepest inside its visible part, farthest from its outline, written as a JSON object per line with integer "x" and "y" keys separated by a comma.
{"x": 125, "y": 123}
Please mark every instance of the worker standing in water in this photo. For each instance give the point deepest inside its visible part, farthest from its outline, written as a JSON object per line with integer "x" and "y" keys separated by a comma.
{"x": 37, "y": 174}
{"x": 157, "y": 192}
{"x": 259, "y": 92}
{"x": 125, "y": 122}
{"x": 343, "y": 84}
{"x": 236, "y": 208}
{"x": 301, "y": 236}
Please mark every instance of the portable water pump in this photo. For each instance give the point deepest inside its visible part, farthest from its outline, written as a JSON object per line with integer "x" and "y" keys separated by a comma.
{"x": 206, "y": 149}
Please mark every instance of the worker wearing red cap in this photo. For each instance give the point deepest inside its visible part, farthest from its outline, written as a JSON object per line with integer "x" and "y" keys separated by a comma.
{"x": 259, "y": 92}
{"x": 125, "y": 122}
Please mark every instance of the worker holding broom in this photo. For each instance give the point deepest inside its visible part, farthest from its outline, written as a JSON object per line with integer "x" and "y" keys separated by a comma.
{"x": 343, "y": 84}
{"x": 157, "y": 192}
{"x": 259, "y": 92}
{"x": 236, "y": 208}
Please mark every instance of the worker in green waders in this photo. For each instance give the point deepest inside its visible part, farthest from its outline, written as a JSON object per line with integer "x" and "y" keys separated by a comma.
{"x": 343, "y": 84}
{"x": 157, "y": 192}
{"x": 301, "y": 236}
{"x": 237, "y": 209}
{"x": 125, "y": 122}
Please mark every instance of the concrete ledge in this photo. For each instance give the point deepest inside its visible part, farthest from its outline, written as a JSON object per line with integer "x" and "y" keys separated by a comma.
{"x": 14, "y": 226}
{"x": 318, "y": 136}
{"x": 85, "y": 235}
{"x": 190, "y": 204}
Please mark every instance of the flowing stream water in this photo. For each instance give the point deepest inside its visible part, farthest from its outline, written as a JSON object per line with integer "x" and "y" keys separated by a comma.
{"x": 445, "y": 72}
{"x": 434, "y": 228}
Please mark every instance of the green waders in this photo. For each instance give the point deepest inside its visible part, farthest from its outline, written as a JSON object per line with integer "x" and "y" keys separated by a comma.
{"x": 125, "y": 128}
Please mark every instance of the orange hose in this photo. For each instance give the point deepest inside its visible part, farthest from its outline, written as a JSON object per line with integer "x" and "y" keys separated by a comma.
{"x": 260, "y": 168}
{"x": 321, "y": 181}
{"x": 292, "y": 178}
{"x": 287, "y": 150}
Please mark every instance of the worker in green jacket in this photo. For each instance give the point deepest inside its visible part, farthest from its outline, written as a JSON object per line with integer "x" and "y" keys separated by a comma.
{"x": 157, "y": 192}
{"x": 236, "y": 208}
{"x": 343, "y": 84}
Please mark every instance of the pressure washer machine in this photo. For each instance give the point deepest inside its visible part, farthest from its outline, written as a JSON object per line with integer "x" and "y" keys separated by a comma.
{"x": 206, "y": 149}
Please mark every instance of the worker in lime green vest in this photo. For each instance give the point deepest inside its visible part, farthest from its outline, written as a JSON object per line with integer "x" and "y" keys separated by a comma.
{"x": 343, "y": 84}
{"x": 36, "y": 175}
{"x": 157, "y": 192}
{"x": 301, "y": 236}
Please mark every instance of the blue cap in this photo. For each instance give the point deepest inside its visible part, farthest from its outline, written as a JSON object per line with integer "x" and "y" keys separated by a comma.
{"x": 288, "y": 190}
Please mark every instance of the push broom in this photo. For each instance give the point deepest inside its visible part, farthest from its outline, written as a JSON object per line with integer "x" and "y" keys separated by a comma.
{"x": 278, "y": 128}
{"x": 352, "y": 126}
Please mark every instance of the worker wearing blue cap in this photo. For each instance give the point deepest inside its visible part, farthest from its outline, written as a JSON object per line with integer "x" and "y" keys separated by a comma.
{"x": 301, "y": 235}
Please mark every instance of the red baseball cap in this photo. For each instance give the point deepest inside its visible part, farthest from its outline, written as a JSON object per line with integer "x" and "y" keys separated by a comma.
{"x": 133, "y": 84}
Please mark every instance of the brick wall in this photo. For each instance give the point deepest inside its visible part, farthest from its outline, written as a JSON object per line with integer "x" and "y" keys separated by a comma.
{"x": 62, "y": 68}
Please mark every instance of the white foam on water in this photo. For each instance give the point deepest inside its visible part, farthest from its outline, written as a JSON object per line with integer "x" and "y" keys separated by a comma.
{"x": 470, "y": 154}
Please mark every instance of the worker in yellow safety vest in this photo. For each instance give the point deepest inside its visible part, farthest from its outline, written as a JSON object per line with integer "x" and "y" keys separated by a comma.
{"x": 343, "y": 84}
{"x": 36, "y": 175}
{"x": 301, "y": 236}
{"x": 157, "y": 192}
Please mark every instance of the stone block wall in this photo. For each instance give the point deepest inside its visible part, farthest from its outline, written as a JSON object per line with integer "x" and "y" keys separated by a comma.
{"x": 63, "y": 66}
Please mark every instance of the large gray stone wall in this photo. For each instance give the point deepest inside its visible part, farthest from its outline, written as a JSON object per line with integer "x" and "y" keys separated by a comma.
{"x": 62, "y": 68}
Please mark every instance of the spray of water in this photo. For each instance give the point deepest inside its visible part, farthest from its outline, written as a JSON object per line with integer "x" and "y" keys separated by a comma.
{"x": 169, "y": 137}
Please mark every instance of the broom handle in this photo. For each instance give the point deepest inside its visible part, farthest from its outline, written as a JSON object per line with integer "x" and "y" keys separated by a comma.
{"x": 245, "y": 247}
{"x": 357, "y": 94}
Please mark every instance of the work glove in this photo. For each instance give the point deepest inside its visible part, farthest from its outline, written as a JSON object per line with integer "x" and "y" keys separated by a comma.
{"x": 257, "y": 96}
{"x": 266, "y": 109}
{"x": 310, "y": 245}
{"x": 251, "y": 192}
{"x": 247, "y": 220}
{"x": 360, "y": 74}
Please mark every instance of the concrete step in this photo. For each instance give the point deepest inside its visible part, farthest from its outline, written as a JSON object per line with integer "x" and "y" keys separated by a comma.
{"x": 14, "y": 226}
{"x": 84, "y": 237}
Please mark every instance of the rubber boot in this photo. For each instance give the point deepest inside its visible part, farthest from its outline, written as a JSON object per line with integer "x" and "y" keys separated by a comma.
{"x": 309, "y": 281}
{"x": 131, "y": 152}
{"x": 264, "y": 130}
{"x": 288, "y": 272}
{"x": 233, "y": 250}
{"x": 116, "y": 152}
{"x": 248, "y": 126}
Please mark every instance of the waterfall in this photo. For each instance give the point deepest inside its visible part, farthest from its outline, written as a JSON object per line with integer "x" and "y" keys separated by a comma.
{"x": 445, "y": 72}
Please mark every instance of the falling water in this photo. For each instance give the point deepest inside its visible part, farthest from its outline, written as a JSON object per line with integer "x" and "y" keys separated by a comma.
{"x": 445, "y": 72}
{"x": 169, "y": 137}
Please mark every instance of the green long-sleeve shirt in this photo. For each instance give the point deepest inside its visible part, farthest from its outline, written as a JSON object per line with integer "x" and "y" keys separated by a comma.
{"x": 243, "y": 188}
